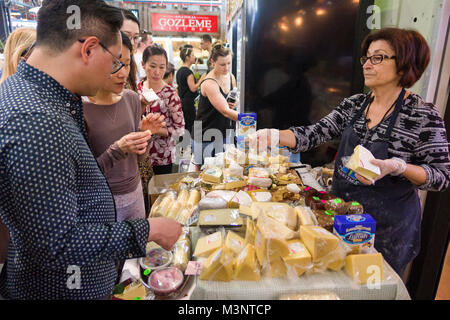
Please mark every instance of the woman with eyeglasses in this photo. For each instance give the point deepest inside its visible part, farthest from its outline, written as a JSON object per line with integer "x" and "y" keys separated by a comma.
{"x": 163, "y": 143}
{"x": 118, "y": 136}
{"x": 405, "y": 134}
{"x": 188, "y": 87}
{"x": 19, "y": 46}
{"x": 215, "y": 113}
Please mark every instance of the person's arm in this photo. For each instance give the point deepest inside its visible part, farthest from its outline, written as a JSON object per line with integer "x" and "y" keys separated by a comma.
{"x": 212, "y": 90}
{"x": 4, "y": 242}
{"x": 328, "y": 128}
{"x": 193, "y": 86}
{"x": 42, "y": 185}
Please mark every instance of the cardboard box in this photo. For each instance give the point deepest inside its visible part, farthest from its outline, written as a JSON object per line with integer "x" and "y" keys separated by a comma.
{"x": 161, "y": 182}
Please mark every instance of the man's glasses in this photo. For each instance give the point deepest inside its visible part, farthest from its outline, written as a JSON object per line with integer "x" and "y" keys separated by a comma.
{"x": 375, "y": 59}
{"x": 117, "y": 64}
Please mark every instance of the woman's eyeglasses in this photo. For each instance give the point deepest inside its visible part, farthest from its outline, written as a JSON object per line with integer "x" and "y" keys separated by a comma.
{"x": 375, "y": 59}
{"x": 117, "y": 64}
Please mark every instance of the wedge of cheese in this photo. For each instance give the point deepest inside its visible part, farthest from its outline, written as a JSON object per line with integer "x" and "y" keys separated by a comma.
{"x": 282, "y": 212}
{"x": 206, "y": 245}
{"x": 220, "y": 217}
{"x": 365, "y": 267}
{"x": 275, "y": 268}
{"x": 250, "y": 232}
{"x": 318, "y": 241}
{"x": 271, "y": 240}
{"x": 305, "y": 216}
{"x": 246, "y": 266}
{"x": 360, "y": 163}
{"x": 213, "y": 175}
{"x": 299, "y": 257}
{"x": 218, "y": 266}
{"x": 234, "y": 243}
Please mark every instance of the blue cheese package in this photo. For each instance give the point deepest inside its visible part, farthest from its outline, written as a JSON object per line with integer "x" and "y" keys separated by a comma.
{"x": 246, "y": 124}
{"x": 357, "y": 231}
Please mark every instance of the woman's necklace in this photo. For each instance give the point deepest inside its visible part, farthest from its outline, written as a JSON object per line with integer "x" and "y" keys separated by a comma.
{"x": 367, "y": 121}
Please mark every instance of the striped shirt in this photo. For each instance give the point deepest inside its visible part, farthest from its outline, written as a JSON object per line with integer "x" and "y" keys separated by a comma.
{"x": 419, "y": 136}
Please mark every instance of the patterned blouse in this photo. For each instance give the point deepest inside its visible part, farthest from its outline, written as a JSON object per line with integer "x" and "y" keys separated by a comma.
{"x": 419, "y": 136}
{"x": 55, "y": 201}
{"x": 162, "y": 149}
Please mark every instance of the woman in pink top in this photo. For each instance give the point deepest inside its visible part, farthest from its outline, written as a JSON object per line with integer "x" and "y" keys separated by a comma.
{"x": 163, "y": 142}
{"x": 119, "y": 135}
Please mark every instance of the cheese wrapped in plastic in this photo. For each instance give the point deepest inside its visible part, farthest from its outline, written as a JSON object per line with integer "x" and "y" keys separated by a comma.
{"x": 234, "y": 243}
{"x": 182, "y": 251}
{"x": 207, "y": 244}
{"x": 363, "y": 268}
{"x": 318, "y": 241}
{"x": 220, "y": 217}
{"x": 299, "y": 257}
{"x": 218, "y": 266}
{"x": 210, "y": 203}
{"x": 281, "y": 212}
{"x": 241, "y": 198}
{"x": 305, "y": 216}
{"x": 250, "y": 232}
{"x": 246, "y": 266}
{"x": 194, "y": 198}
{"x": 334, "y": 260}
{"x": 360, "y": 163}
{"x": 212, "y": 175}
{"x": 163, "y": 204}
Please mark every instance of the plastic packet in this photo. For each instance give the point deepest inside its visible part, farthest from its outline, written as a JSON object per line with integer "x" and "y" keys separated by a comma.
{"x": 333, "y": 260}
{"x": 246, "y": 266}
{"x": 209, "y": 203}
{"x": 305, "y": 216}
{"x": 281, "y": 212}
{"x": 218, "y": 266}
{"x": 182, "y": 250}
{"x": 226, "y": 195}
{"x": 166, "y": 281}
{"x": 163, "y": 204}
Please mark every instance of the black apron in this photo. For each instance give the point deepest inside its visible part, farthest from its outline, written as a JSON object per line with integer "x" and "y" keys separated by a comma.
{"x": 392, "y": 201}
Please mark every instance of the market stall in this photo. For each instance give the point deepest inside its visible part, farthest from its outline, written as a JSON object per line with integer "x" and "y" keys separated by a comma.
{"x": 257, "y": 227}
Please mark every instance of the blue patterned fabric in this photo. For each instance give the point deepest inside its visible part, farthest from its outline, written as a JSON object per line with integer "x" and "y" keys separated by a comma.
{"x": 54, "y": 199}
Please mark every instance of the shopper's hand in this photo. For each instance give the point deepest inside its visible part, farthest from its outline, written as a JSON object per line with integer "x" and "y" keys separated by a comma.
{"x": 152, "y": 122}
{"x": 393, "y": 166}
{"x": 135, "y": 142}
{"x": 164, "y": 232}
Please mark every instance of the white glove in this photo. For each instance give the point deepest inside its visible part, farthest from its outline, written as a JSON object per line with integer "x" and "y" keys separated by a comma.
{"x": 265, "y": 139}
{"x": 393, "y": 166}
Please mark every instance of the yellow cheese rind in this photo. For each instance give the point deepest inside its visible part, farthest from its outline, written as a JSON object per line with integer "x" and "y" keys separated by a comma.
{"x": 318, "y": 241}
{"x": 361, "y": 267}
{"x": 234, "y": 242}
{"x": 206, "y": 245}
{"x": 218, "y": 266}
{"x": 246, "y": 266}
{"x": 299, "y": 257}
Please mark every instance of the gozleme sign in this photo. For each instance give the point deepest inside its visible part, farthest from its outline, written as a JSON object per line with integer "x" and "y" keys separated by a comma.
{"x": 184, "y": 23}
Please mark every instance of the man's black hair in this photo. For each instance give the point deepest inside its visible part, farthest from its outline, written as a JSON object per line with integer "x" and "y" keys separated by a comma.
{"x": 206, "y": 37}
{"x": 58, "y": 26}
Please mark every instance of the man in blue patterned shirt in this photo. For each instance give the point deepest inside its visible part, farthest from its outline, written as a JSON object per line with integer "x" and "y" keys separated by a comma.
{"x": 55, "y": 201}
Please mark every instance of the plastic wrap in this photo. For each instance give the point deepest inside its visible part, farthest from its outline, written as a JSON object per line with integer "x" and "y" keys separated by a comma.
{"x": 218, "y": 266}
{"x": 181, "y": 253}
{"x": 210, "y": 203}
{"x": 226, "y": 195}
{"x": 282, "y": 212}
{"x": 163, "y": 204}
{"x": 220, "y": 217}
{"x": 234, "y": 242}
{"x": 165, "y": 281}
{"x": 246, "y": 266}
{"x": 208, "y": 244}
{"x": 305, "y": 216}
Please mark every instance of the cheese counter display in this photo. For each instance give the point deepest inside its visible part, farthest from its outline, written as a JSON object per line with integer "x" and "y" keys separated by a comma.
{"x": 255, "y": 230}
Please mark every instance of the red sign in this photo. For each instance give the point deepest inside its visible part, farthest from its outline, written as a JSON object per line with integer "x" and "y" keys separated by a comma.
{"x": 183, "y": 23}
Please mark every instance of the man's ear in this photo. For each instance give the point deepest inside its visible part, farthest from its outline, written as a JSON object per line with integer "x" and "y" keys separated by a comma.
{"x": 87, "y": 47}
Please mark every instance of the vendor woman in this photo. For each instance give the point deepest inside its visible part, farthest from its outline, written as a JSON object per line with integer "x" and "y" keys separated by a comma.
{"x": 405, "y": 134}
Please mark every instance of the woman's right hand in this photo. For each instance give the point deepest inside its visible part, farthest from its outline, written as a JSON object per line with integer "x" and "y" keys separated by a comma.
{"x": 135, "y": 142}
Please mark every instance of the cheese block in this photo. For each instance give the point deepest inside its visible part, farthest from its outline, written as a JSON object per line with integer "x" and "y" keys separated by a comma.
{"x": 234, "y": 242}
{"x": 220, "y": 217}
{"x": 183, "y": 196}
{"x": 260, "y": 196}
{"x": 271, "y": 240}
{"x": 361, "y": 267}
{"x": 318, "y": 241}
{"x": 246, "y": 210}
{"x": 299, "y": 257}
{"x": 213, "y": 175}
{"x": 246, "y": 266}
{"x": 360, "y": 163}
{"x": 241, "y": 198}
{"x": 250, "y": 232}
{"x": 275, "y": 268}
{"x": 233, "y": 182}
{"x": 194, "y": 198}
{"x": 305, "y": 216}
{"x": 281, "y": 212}
{"x": 206, "y": 245}
{"x": 218, "y": 266}
{"x": 336, "y": 259}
